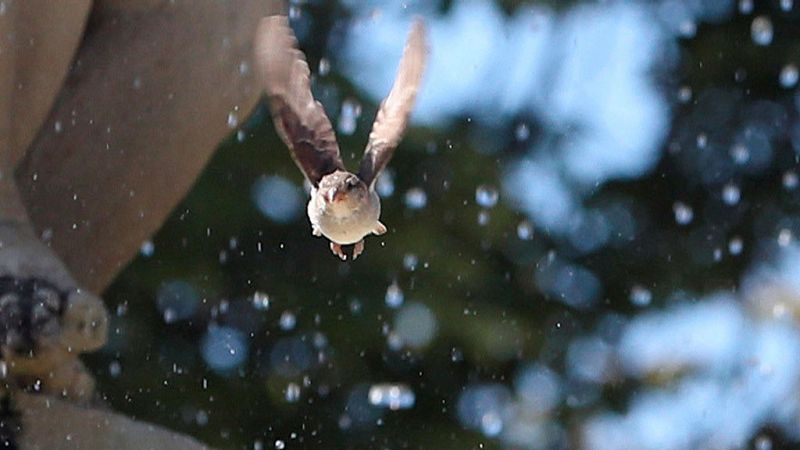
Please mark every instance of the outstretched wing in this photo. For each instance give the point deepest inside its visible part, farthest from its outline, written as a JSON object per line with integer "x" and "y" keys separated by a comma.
{"x": 396, "y": 107}
{"x": 299, "y": 119}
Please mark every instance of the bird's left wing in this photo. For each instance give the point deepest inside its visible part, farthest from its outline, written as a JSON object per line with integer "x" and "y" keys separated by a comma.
{"x": 299, "y": 119}
{"x": 393, "y": 113}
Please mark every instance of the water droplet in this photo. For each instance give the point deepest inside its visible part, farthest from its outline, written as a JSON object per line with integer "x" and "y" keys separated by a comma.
{"x": 763, "y": 443}
{"x": 147, "y": 249}
{"x": 784, "y": 237}
{"x": 295, "y": 12}
{"x": 525, "y": 230}
{"x": 483, "y": 218}
{"x": 288, "y": 321}
{"x": 702, "y": 140}
{"x": 522, "y": 132}
{"x": 394, "y": 296}
{"x": 790, "y": 180}
{"x": 745, "y": 6}
{"x": 683, "y": 213}
{"x": 731, "y": 194}
{"x": 392, "y": 396}
{"x": 244, "y": 68}
{"x": 684, "y": 94}
{"x": 137, "y": 83}
{"x": 292, "y": 392}
{"x": 324, "y": 67}
{"x": 351, "y": 111}
{"x": 787, "y": 5}
{"x": 280, "y": 445}
{"x": 740, "y": 153}
{"x": 687, "y": 28}
{"x": 486, "y": 196}
{"x": 410, "y": 262}
{"x": 789, "y": 76}
{"x": 261, "y": 301}
{"x": 57, "y": 126}
{"x": 761, "y": 30}
{"x": 384, "y": 185}
{"x": 735, "y": 246}
{"x": 114, "y": 369}
{"x": 233, "y": 119}
{"x": 640, "y": 295}
{"x": 416, "y": 198}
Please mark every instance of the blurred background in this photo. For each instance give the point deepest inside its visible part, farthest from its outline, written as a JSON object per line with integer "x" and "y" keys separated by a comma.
{"x": 592, "y": 243}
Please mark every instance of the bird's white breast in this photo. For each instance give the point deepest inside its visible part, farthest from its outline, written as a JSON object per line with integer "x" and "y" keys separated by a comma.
{"x": 345, "y": 224}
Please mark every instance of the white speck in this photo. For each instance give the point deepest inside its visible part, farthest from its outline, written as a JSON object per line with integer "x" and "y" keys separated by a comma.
{"x": 261, "y": 301}
{"x": 244, "y": 68}
{"x": 288, "y": 321}
{"x": 483, "y": 218}
{"x": 683, "y": 213}
{"x": 702, "y": 140}
{"x": 280, "y": 445}
{"x": 640, "y": 295}
{"x": 787, "y": 5}
{"x": 137, "y": 83}
{"x": 392, "y": 396}
{"x": 687, "y": 28}
{"x": 789, "y": 76}
{"x": 745, "y": 6}
{"x": 740, "y": 153}
{"x": 525, "y": 230}
{"x": 731, "y": 194}
{"x": 114, "y": 369}
{"x": 784, "y": 237}
{"x": 233, "y": 119}
{"x": 763, "y": 443}
{"x": 58, "y": 127}
{"x": 240, "y": 136}
{"x": 394, "y": 296}
{"x": 416, "y": 198}
{"x": 2, "y": 8}
{"x": 761, "y": 30}
{"x": 486, "y": 196}
{"x": 351, "y": 111}
{"x": 410, "y": 262}
{"x": 147, "y": 249}
{"x": 735, "y": 245}
{"x": 522, "y": 132}
{"x": 790, "y": 180}
{"x": 684, "y": 94}
{"x": 295, "y": 12}
{"x": 292, "y": 392}
{"x": 324, "y": 67}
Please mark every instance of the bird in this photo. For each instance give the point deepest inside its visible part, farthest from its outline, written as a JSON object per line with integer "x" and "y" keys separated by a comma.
{"x": 344, "y": 206}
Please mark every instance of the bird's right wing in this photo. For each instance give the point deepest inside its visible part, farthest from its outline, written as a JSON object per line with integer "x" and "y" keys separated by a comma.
{"x": 392, "y": 119}
{"x": 299, "y": 119}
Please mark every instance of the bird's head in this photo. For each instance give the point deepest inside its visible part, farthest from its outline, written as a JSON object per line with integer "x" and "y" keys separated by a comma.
{"x": 342, "y": 190}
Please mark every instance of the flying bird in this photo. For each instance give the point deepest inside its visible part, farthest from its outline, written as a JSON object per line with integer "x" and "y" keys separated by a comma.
{"x": 344, "y": 206}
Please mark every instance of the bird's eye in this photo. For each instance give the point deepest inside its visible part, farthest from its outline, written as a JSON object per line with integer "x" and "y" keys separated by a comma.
{"x": 351, "y": 183}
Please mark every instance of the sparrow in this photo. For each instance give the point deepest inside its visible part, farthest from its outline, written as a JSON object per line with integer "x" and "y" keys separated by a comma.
{"x": 344, "y": 206}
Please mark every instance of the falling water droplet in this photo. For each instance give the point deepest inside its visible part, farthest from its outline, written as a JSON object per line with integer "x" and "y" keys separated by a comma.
{"x": 261, "y": 301}
{"x": 790, "y": 180}
{"x": 288, "y": 321}
{"x": 745, "y": 6}
{"x": 292, "y": 392}
{"x": 324, "y": 67}
{"x": 416, "y": 198}
{"x": 761, "y": 30}
{"x": 787, "y": 5}
{"x": 522, "y": 132}
{"x": 525, "y": 230}
{"x": 394, "y": 296}
{"x": 731, "y": 194}
{"x": 233, "y": 119}
{"x": 486, "y": 196}
{"x": 683, "y": 213}
{"x": 736, "y": 245}
{"x": 684, "y": 94}
{"x": 640, "y": 295}
{"x": 789, "y": 76}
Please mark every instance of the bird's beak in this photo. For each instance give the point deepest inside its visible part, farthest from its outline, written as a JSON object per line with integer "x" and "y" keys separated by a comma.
{"x": 331, "y": 195}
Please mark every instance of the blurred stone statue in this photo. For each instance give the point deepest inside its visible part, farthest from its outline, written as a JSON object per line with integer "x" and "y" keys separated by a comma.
{"x": 109, "y": 109}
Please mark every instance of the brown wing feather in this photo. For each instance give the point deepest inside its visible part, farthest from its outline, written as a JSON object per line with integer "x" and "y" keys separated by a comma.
{"x": 392, "y": 117}
{"x": 299, "y": 119}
